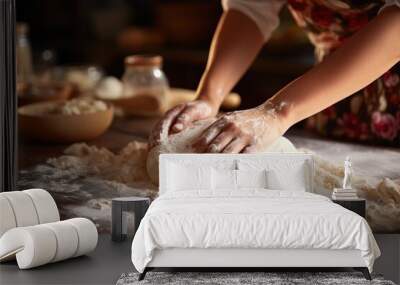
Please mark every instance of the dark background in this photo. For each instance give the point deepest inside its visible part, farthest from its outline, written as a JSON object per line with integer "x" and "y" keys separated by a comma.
{"x": 103, "y": 32}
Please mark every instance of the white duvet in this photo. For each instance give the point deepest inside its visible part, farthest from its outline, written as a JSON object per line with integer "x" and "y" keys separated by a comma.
{"x": 250, "y": 219}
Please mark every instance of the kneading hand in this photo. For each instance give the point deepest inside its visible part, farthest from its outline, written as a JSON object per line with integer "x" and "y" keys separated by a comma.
{"x": 180, "y": 117}
{"x": 242, "y": 131}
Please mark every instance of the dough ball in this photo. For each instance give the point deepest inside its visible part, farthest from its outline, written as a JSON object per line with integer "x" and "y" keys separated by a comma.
{"x": 175, "y": 143}
{"x": 282, "y": 144}
{"x": 152, "y": 164}
{"x": 181, "y": 143}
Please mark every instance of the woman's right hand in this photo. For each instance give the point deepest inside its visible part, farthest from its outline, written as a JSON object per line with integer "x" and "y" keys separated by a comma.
{"x": 180, "y": 117}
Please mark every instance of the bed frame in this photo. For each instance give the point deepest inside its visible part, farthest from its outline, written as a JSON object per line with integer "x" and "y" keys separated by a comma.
{"x": 248, "y": 259}
{"x": 260, "y": 259}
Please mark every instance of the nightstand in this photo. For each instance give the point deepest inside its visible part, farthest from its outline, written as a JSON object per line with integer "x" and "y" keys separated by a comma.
{"x": 355, "y": 205}
{"x": 120, "y": 211}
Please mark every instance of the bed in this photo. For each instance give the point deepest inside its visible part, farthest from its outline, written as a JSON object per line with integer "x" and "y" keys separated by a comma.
{"x": 246, "y": 211}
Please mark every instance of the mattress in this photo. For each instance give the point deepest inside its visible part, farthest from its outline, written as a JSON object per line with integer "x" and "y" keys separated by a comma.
{"x": 251, "y": 219}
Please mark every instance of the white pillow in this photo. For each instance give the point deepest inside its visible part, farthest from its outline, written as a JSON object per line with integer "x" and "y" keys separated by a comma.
{"x": 188, "y": 177}
{"x": 224, "y": 179}
{"x": 293, "y": 179}
{"x": 251, "y": 179}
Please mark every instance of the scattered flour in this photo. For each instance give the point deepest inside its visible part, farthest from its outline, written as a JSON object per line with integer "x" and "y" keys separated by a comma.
{"x": 382, "y": 194}
{"x": 127, "y": 166}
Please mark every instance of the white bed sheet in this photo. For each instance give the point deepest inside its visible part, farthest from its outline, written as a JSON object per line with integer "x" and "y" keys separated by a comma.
{"x": 252, "y": 218}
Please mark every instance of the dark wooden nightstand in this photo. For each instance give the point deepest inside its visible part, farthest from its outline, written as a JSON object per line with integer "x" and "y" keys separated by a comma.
{"x": 356, "y": 205}
{"x": 120, "y": 208}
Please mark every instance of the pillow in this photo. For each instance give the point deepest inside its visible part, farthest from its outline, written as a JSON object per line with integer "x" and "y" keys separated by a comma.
{"x": 188, "y": 177}
{"x": 293, "y": 179}
{"x": 224, "y": 179}
{"x": 251, "y": 179}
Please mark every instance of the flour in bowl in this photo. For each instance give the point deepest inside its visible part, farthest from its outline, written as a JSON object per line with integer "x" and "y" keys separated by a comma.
{"x": 79, "y": 106}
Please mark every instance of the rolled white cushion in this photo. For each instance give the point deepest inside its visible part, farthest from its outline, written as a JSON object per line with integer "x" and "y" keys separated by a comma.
{"x": 7, "y": 218}
{"x": 26, "y": 208}
{"x": 67, "y": 240}
{"x": 87, "y": 234}
{"x": 33, "y": 246}
{"x": 45, "y": 205}
{"x": 40, "y": 244}
{"x": 23, "y": 208}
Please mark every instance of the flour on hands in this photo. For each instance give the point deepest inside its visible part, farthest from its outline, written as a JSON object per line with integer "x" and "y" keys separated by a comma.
{"x": 243, "y": 131}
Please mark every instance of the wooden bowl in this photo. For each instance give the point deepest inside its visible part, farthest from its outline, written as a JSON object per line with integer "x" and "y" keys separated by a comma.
{"x": 36, "y": 123}
{"x": 53, "y": 92}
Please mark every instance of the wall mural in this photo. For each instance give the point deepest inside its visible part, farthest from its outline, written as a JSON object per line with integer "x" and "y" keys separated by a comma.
{"x": 83, "y": 129}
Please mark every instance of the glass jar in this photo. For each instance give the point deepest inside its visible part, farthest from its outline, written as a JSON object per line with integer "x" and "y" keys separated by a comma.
{"x": 144, "y": 77}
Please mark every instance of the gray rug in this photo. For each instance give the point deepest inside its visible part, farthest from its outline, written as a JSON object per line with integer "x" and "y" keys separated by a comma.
{"x": 243, "y": 278}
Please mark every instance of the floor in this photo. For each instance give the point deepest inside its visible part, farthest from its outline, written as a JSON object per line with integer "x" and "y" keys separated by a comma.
{"x": 110, "y": 259}
{"x": 103, "y": 266}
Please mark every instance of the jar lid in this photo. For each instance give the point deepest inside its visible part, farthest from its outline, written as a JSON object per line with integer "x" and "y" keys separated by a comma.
{"x": 144, "y": 60}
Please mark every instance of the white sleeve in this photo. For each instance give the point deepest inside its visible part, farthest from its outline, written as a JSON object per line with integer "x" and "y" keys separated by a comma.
{"x": 264, "y": 13}
{"x": 390, "y": 3}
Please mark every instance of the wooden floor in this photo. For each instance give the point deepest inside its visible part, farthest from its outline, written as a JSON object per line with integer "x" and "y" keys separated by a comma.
{"x": 103, "y": 266}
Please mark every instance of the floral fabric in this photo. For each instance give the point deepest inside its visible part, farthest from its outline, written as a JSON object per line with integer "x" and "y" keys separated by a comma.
{"x": 372, "y": 114}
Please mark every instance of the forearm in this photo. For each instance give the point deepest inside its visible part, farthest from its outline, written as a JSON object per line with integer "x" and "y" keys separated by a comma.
{"x": 361, "y": 60}
{"x": 235, "y": 45}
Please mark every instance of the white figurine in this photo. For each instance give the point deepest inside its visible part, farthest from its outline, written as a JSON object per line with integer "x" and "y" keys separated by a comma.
{"x": 348, "y": 173}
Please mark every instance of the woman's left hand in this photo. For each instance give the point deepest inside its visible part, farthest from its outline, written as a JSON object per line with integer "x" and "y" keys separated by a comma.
{"x": 242, "y": 131}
